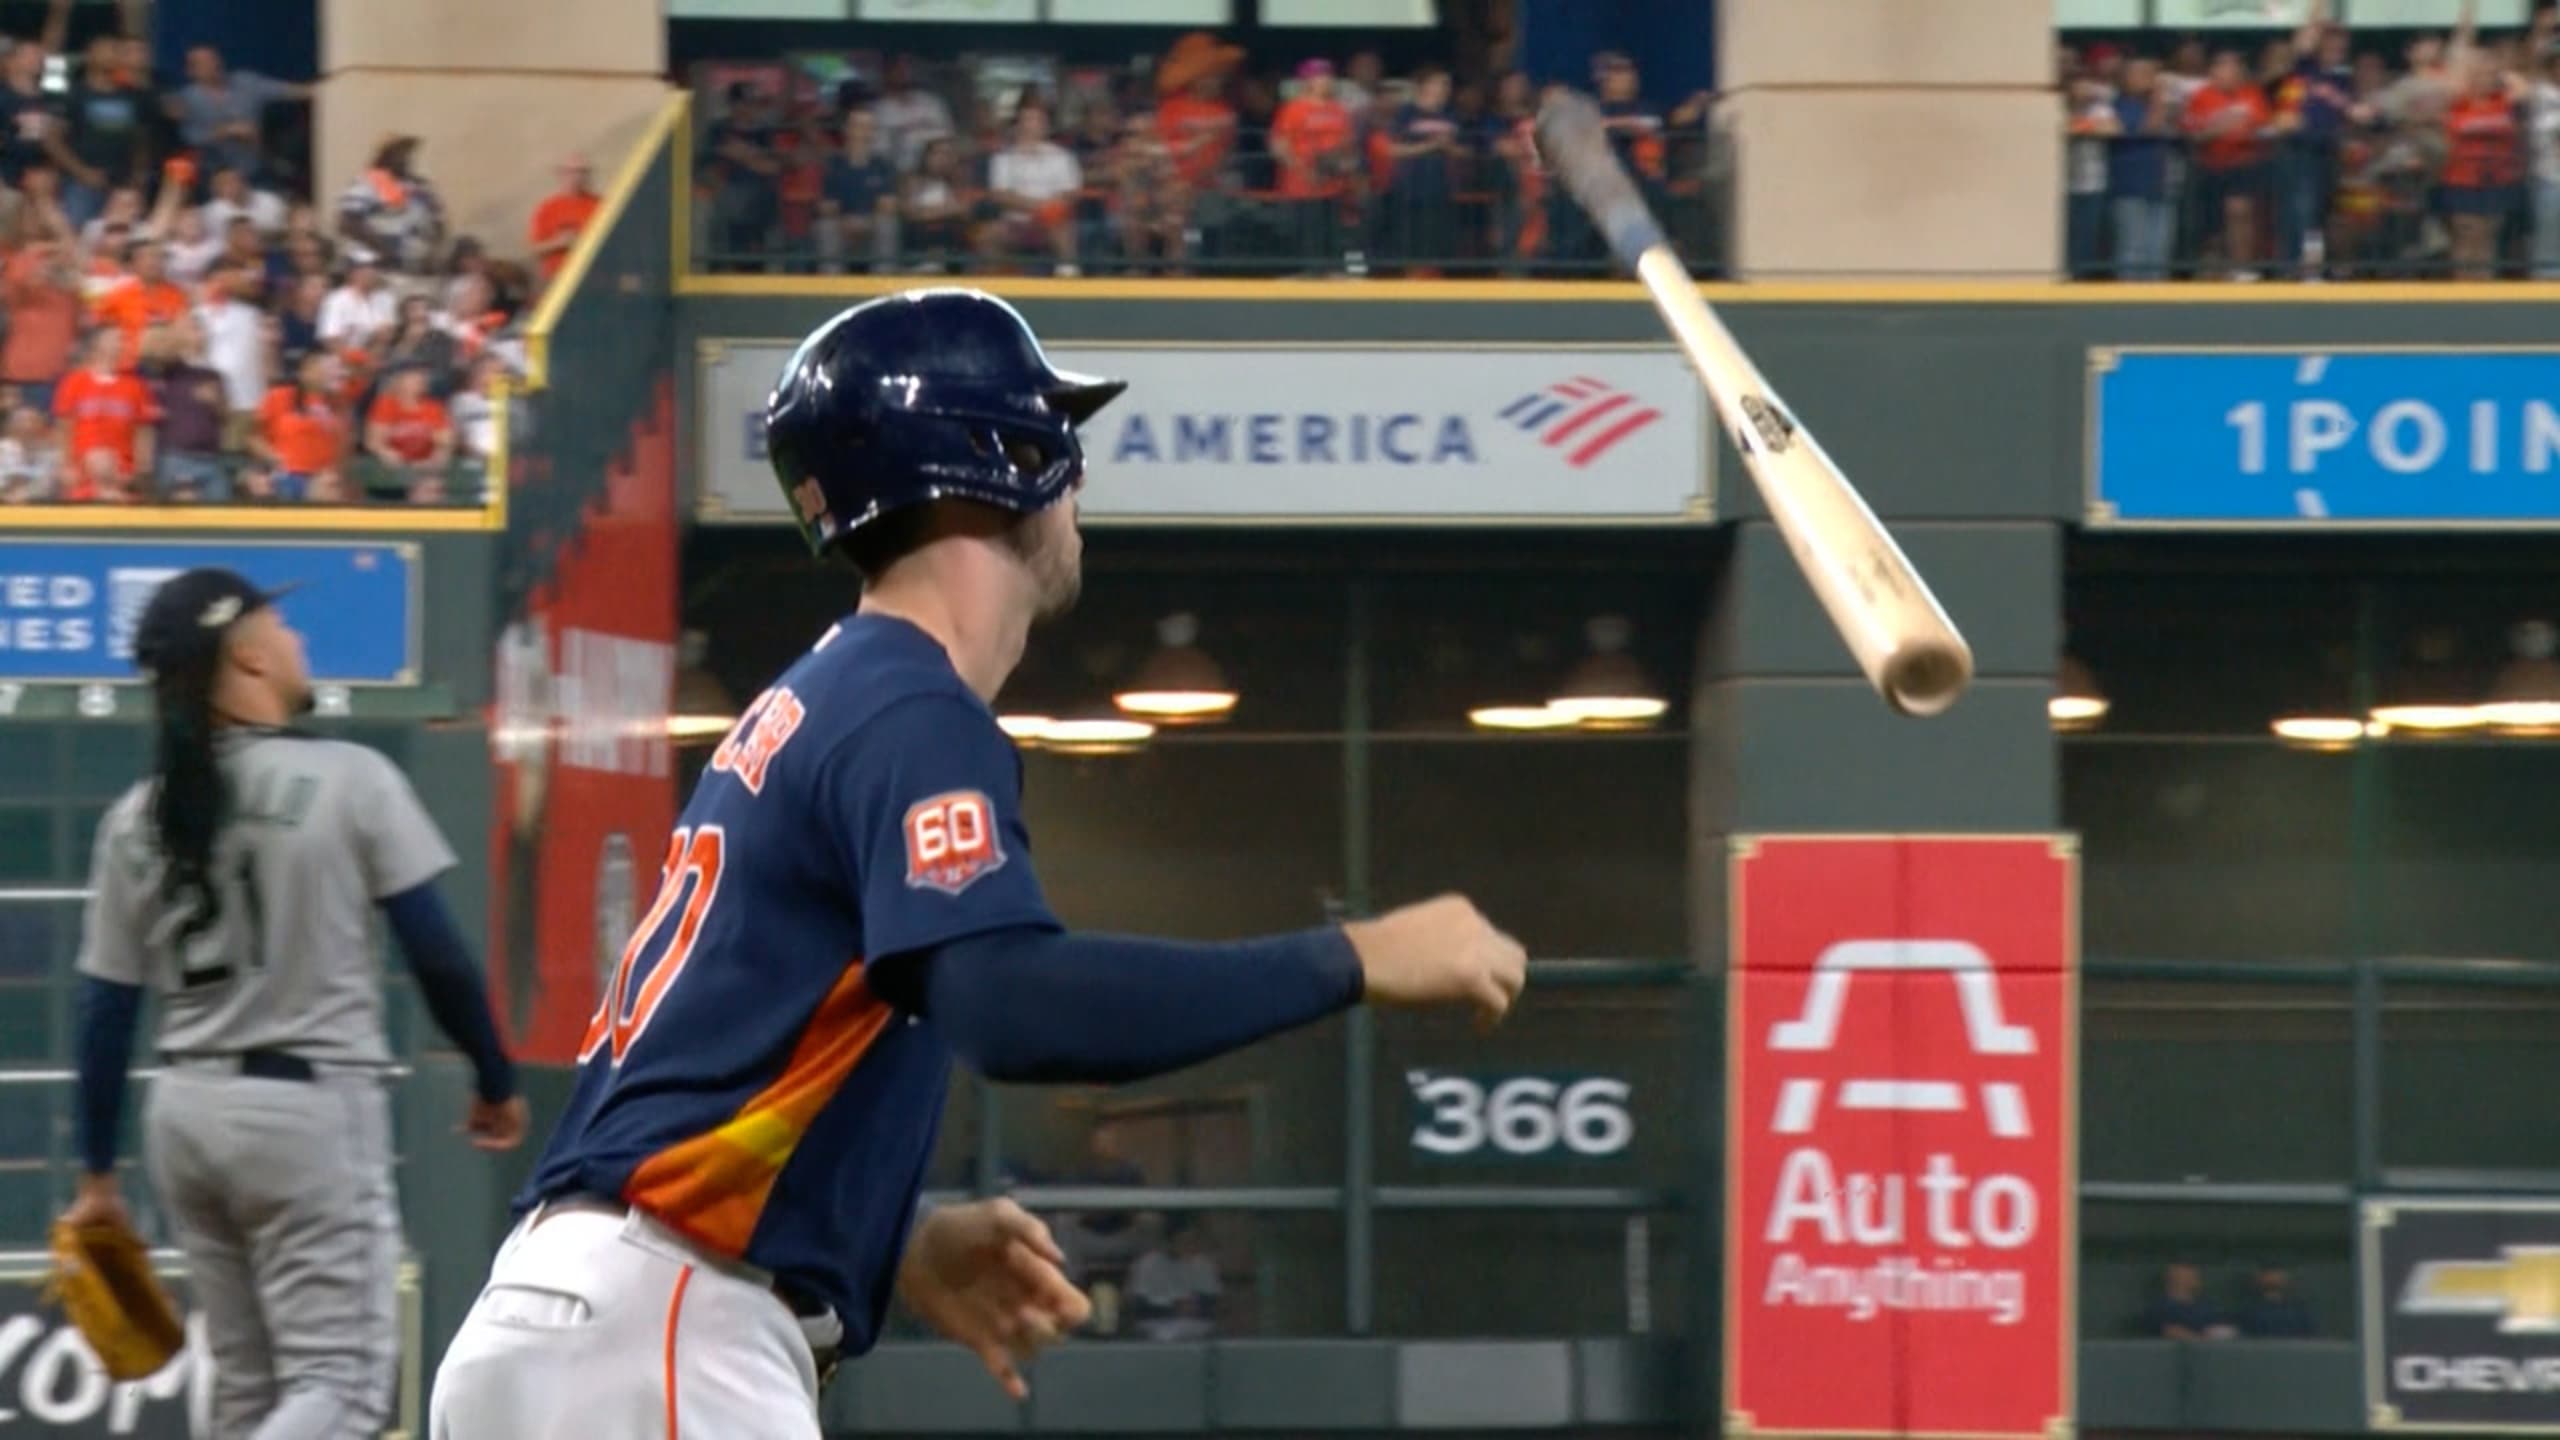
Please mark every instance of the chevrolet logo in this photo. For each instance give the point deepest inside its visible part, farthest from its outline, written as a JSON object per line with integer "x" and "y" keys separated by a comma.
{"x": 2521, "y": 1288}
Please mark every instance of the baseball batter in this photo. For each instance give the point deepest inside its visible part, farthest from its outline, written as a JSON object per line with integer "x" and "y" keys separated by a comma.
{"x": 848, "y": 903}
{"x": 237, "y": 884}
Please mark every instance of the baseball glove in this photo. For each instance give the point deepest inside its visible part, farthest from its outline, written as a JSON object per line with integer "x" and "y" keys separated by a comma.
{"x": 103, "y": 1279}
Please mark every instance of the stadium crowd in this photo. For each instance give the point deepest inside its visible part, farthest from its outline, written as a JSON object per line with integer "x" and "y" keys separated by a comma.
{"x": 187, "y": 321}
{"x": 2312, "y": 158}
{"x": 1202, "y": 162}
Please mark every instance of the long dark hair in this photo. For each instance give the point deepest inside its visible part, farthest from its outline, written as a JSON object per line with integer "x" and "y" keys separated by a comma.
{"x": 191, "y": 800}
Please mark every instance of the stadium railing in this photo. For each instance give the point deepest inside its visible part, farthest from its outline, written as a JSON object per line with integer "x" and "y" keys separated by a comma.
{"x": 1489, "y": 217}
{"x": 2368, "y": 207}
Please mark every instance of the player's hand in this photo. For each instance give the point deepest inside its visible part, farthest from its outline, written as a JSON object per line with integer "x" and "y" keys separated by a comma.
{"x": 98, "y": 1202}
{"x": 496, "y": 1124}
{"x": 1440, "y": 952}
{"x": 989, "y": 1276}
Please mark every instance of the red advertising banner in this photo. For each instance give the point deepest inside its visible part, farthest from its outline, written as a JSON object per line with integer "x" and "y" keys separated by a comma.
{"x": 1902, "y": 1098}
{"x": 585, "y": 776}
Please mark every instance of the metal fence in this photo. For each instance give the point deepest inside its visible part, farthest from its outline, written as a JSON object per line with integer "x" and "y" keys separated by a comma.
{"x": 2233, "y": 1111}
{"x": 2371, "y": 204}
{"x": 1486, "y": 208}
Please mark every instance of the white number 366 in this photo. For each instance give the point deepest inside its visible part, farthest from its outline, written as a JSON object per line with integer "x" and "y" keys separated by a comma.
{"x": 1523, "y": 1116}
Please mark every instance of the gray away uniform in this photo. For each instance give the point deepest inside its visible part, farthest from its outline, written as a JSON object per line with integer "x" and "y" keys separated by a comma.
{"x": 268, "y": 1134}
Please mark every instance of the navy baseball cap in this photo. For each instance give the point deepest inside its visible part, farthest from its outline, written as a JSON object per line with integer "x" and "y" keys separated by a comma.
{"x": 188, "y": 615}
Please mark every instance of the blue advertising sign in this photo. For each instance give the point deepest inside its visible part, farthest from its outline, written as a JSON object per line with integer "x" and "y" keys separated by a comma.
{"x": 2283, "y": 439}
{"x": 68, "y": 607}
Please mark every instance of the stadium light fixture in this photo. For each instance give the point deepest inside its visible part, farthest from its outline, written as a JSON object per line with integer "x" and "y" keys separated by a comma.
{"x": 1179, "y": 684}
{"x": 2526, "y": 698}
{"x": 2076, "y": 703}
{"x": 1607, "y": 689}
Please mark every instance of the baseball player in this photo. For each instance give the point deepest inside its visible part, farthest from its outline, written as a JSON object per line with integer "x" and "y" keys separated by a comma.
{"x": 236, "y": 884}
{"x": 848, "y": 903}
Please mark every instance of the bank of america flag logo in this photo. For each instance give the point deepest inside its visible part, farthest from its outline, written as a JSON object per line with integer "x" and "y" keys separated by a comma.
{"x": 1585, "y": 417}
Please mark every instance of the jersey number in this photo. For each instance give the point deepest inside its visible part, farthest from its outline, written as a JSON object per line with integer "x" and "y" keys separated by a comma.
{"x": 660, "y": 944}
{"x": 212, "y": 948}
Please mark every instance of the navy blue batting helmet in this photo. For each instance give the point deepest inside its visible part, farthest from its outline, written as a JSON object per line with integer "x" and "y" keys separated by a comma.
{"x": 919, "y": 396}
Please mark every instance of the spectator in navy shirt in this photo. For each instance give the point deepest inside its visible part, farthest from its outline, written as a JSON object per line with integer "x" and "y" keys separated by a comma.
{"x": 2182, "y": 1312}
{"x": 2319, "y": 100}
{"x": 746, "y": 199}
{"x": 858, "y": 198}
{"x": 2138, "y": 174}
{"x": 34, "y": 126}
{"x": 2273, "y": 1311}
{"x": 1423, "y": 143}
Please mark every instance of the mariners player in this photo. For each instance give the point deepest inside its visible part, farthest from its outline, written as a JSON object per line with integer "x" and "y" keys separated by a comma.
{"x": 847, "y": 904}
{"x": 235, "y": 883}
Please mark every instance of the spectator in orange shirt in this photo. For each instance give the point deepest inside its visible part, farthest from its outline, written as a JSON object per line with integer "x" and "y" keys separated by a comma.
{"x": 1199, "y": 127}
{"x": 2227, "y": 117}
{"x": 558, "y": 220}
{"x": 144, "y": 299}
{"x": 410, "y": 433}
{"x": 2483, "y": 170}
{"x": 41, "y": 287}
{"x": 110, "y": 415}
{"x": 1311, "y": 138}
{"x": 302, "y": 434}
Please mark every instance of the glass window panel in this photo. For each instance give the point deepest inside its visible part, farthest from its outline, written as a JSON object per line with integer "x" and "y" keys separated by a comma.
{"x": 1199, "y": 839}
{"x": 1278, "y": 1274}
{"x": 2462, "y": 1069}
{"x": 37, "y": 937}
{"x": 2471, "y": 845}
{"x": 2221, "y": 1082}
{"x": 2205, "y": 836}
{"x": 1577, "y": 845}
{"x": 1590, "y": 1273}
{"x": 2210, "y": 850}
{"x": 1270, "y": 1114}
{"x": 2125, "y": 1247}
{"x": 26, "y": 843}
{"x": 105, "y": 759}
{"x": 27, "y": 760}
{"x": 27, "y": 1122}
{"x": 26, "y": 1023}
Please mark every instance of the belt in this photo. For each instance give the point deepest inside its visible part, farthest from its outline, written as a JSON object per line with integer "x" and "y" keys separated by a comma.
{"x": 256, "y": 1064}
{"x": 804, "y": 1306}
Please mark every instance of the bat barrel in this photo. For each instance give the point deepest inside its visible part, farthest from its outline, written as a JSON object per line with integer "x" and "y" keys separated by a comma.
{"x": 1925, "y": 677}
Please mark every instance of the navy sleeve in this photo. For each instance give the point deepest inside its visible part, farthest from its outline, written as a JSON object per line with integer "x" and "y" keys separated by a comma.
{"x": 924, "y": 802}
{"x": 449, "y": 981}
{"x": 108, "y": 1014}
{"x": 1035, "y": 1006}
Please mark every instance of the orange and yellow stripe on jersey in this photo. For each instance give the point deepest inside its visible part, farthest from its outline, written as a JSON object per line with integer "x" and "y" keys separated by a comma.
{"x": 713, "y": 1187}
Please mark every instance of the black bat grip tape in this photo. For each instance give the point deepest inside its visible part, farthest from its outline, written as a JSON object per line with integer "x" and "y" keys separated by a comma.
{"x": 1575, "y": 143}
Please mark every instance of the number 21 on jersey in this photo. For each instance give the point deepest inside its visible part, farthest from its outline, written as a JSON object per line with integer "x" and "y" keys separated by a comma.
{"x": 660, "y": 944}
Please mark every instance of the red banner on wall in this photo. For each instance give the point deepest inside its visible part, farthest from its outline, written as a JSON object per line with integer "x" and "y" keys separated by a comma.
{"x": 1901, "y": 1136}
{"x": 585, "y": 780}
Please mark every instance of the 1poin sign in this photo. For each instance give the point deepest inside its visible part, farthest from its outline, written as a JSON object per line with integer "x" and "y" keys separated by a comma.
{"x": 951, "y": 841}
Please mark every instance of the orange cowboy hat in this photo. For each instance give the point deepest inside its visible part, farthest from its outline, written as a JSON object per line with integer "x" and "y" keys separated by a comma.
{"x": 1193, "y": 56}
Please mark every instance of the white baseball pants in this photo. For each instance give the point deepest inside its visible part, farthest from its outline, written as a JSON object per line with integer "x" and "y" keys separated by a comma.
{"x": 595, "y": 1324}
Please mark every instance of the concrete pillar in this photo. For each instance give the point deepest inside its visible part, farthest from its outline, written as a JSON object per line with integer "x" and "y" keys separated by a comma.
{"x": 498, "y": 90}
{"x": 1786, "y": 735}
{"x": 1888, "y": 139}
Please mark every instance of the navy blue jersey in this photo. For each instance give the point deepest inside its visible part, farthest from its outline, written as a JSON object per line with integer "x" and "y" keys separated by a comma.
{"x": 742, "y": 1081}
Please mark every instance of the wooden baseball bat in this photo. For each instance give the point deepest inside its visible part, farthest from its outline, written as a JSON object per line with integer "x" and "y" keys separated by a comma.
{"x": 1909, "y": 649}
